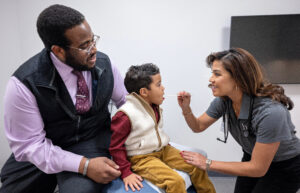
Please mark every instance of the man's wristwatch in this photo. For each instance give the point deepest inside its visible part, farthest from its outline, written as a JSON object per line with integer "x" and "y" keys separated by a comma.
{"x": 208, "y": 163}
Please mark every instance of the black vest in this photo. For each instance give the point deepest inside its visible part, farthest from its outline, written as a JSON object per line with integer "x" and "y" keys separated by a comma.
{"x": 61, "y": 123}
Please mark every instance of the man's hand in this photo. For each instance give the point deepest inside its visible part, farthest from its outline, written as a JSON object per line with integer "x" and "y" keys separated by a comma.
{"x": 101, "y": 170}
{"x": 134, "y": 181}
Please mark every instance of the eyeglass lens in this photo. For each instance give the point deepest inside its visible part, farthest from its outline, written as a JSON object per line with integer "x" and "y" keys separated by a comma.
{"x": 93, "y": 43}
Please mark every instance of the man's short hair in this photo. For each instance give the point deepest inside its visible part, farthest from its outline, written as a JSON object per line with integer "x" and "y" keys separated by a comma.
{"x": 139, "y": 76}
{"x": 53, "y": 22}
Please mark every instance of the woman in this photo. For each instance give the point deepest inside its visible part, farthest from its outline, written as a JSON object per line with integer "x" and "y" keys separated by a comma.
{"x": 256, "y": 114}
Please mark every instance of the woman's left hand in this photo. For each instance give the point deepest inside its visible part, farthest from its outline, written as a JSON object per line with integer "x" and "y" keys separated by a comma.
{"x": 194, "y": 158}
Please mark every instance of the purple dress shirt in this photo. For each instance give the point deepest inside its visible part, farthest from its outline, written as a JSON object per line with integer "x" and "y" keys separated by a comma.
{"x": 24, "y": 127}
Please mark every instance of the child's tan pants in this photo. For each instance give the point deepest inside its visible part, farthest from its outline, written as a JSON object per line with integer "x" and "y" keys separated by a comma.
{"x": 157, "y": 168}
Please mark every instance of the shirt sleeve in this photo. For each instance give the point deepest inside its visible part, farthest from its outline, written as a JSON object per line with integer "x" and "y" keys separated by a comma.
{"x": 119, "y": 90}
{"x": 272, "y": 124}
{"x": 24, "y": 129}
{"x": 216, "y": 108}
{"x": 121, "y": 127}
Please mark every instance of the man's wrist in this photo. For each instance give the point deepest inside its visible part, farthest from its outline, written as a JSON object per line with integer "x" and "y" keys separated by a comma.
{"x": 81, "y": 166}
{"x": 85, "y": 168}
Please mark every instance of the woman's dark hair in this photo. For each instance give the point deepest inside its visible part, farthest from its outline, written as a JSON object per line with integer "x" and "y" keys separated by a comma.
{"x": 139, "y": 76}
{"x": 248, "y": 75}
{"x": 53, "y": 22}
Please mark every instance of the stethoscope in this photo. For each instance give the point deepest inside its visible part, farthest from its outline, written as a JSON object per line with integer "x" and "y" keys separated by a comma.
{"x": 246, "y": 129}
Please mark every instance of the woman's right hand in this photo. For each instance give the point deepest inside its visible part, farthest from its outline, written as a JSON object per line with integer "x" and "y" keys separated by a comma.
{"x": 184, "y": 100}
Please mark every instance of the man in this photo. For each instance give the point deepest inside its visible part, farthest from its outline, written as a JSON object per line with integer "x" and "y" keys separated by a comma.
{"x": 56, "y": 112}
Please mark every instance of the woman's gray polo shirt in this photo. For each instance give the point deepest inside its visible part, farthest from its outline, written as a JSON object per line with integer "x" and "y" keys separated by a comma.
{"x": 271, "y": 122}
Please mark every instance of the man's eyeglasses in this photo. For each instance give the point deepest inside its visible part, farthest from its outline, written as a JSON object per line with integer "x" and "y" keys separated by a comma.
{"x": 90, "y": 46}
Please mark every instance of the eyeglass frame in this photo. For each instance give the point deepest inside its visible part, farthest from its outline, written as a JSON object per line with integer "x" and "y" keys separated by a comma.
{"x": 90, "y": 47}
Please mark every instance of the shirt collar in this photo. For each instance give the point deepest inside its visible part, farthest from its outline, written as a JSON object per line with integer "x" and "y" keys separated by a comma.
{"x": 244, "y": 112}
{"x": 63, "y": 69}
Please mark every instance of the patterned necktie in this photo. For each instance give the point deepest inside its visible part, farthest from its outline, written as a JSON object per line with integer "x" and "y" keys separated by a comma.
{"x": 82, "y": 96}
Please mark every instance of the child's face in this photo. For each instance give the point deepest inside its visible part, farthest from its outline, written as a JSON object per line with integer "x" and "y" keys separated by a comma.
{"x": 155, "y": 95}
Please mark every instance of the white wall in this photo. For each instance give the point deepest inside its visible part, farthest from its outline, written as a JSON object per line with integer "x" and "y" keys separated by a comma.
{"x": 176, "y": 35}
{"x": 10, "y": 59}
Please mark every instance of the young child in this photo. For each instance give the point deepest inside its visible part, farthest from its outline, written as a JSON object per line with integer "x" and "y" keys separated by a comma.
{"x": 138, "y": 143}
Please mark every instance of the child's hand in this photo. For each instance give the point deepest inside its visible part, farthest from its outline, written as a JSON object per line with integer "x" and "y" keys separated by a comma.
{"x": 134, "y": 181}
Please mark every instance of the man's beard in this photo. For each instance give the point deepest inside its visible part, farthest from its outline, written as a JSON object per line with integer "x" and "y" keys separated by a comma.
{"x": 71, "y": 61}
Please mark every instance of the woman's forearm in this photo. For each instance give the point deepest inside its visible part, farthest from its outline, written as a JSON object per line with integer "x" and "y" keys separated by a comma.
{"x": 261, "y": 159}
{"x": 191, "y": 120}
{"x": 238, "y": 168}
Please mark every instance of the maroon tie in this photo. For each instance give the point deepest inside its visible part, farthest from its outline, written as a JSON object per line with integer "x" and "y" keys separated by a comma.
{"x": 82, "y": 95}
